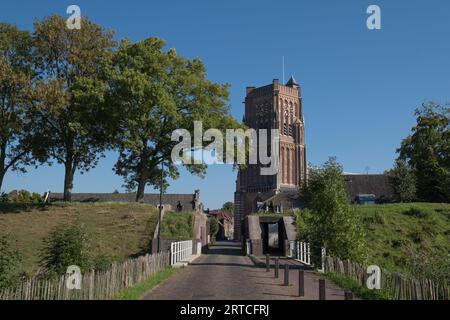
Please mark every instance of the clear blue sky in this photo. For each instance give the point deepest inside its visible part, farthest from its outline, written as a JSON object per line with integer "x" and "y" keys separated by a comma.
{"x": 360, "y": 87}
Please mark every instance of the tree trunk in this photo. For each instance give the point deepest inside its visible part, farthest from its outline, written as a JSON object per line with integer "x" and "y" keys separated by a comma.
{"x": 68, "y": 180}
{"x": 141, "y": 188}
{"x": 2, "y": 164}
{"x": 141, "y": 174}
{"x": 2, "y": 175}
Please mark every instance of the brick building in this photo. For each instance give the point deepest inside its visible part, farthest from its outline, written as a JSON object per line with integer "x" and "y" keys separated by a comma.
{"x": 274, "y": 106}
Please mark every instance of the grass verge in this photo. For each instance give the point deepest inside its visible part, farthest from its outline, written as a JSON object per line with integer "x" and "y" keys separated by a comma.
{"x": 137, "y": 292}
{"x": 354, "y": 286}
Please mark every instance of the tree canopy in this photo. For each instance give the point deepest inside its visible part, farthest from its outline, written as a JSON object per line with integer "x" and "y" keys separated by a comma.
{"x": 228, "y": 207}
{"x": 15, "y": 83}
{"x": 68, "y": 110}
{"x": 155, "y": 92}
{"x": 403, "y": 181}
{"x": 427, "y": 152}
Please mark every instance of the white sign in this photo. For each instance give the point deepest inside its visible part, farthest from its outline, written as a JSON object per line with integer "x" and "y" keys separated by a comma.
{"x": 374, "y": 279}
{"x": 73, "y": 280}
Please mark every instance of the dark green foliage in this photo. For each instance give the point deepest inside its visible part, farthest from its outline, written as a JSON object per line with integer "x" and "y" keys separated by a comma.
{"x": 15, "y": 83}
{"x": 332, "y": 223}
{"x": 71, "y": 120}
{"x": 10, "y": 260}
{"x": 427, "y": 152}
{"x": 65, "y": 246}
{"x": 153, "y": 92}
{"x": 102, "y": 262}
{"x": 403, "y": 181}
{"x": 4, "y": 197}
{"x": 213, "y": 226}
{"x": 228, "y": 207}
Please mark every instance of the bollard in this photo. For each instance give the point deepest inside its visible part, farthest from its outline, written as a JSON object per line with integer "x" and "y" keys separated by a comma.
{"x": 301, "y": 283}
{"x": 267, "y": 263}
{"x": 321, "y": 289}
{"x": 348, "y": 295}
{"x": 277, "y": 265}
{"x": 286, "y": 275}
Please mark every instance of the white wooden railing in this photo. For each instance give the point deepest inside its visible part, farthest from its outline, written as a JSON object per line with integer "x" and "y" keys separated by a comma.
{"x": 180, "y": 250}
{"x": 301, "y": 251}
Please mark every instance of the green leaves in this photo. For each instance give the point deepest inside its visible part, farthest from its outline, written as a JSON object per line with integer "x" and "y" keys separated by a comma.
{"x": 427, "y": 152}
{"x": 65, "y": 246}
{"x": 15, "y": 82}
{"x": 10, "y": 260}
{"x": 329, "y": 220}
{"x": 154, "y": 92}
{"x": 71, "y": 124}
{"x": 403, "y": 181}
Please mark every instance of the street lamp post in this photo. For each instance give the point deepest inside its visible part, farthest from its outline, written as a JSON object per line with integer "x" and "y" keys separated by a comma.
{"x": 160, "y": 206}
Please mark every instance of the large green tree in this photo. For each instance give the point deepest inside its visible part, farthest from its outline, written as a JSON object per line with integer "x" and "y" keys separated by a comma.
{"x": 15, "y": 82}
{"x": 331, "y": 222}
{"x": 155, "y": 92}
{"x": 427, "y": 151}
{"x": 403, "y": 181}
{"x": 70, "y": 116}
{"x": 228, "y": 207}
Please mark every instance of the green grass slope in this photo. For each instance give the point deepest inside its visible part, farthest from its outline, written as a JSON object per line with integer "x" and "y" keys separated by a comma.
{"x": 393, "y": 231}
{"x": 117, "y": 230}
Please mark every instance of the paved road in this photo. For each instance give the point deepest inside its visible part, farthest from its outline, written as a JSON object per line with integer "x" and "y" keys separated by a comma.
{"x": 224, "y": 274}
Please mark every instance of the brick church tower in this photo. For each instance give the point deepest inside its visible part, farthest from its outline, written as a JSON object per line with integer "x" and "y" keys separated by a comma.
{"x": 275, "y": 106}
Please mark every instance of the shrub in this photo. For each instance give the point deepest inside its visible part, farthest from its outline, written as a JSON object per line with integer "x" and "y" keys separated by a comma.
{"x": 102, "y": 262}
{"x": 301, "y": 223}
{"x": 10, "y": 260}
{"x": 4, "y": 197}
{"x": 213, "y": 226}
{"x": 65, "y": 246}
{"x": 25, "y": 197}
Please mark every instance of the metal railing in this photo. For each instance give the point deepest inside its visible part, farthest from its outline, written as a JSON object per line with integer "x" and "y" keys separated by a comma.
{"x": 180, "y": 250}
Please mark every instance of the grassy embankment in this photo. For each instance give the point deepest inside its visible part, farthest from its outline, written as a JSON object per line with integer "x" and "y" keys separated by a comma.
{"x": 394, "y": 229}
{"x": 393, "y": 232}
{"x": 116, "y": 230}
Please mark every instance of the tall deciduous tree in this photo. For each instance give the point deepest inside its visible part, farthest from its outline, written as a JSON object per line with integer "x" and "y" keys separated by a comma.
{"x": 427, "y": 151}
{"x": 68, "y": 98}
{"x": 154, "y": 93}
{"x": 15, "y": 82}
{"x": 331, "y": 223}
{"x": 228, "y": 207}
{"x": 403, "y": 181}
